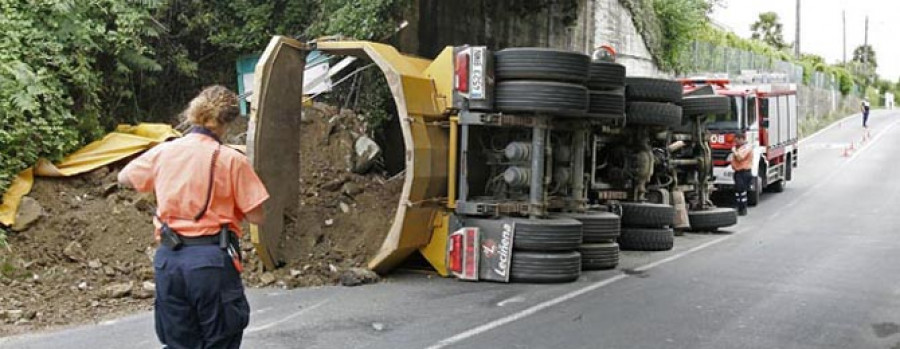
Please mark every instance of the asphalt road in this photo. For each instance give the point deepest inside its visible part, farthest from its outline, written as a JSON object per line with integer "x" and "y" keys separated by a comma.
{"x": 813, "y": 267}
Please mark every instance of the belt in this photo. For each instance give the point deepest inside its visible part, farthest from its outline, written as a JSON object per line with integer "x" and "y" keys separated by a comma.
{"x": 200, "y": 240}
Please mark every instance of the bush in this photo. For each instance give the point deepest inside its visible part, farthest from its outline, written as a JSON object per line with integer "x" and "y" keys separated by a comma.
{"x": 65, "y": 63}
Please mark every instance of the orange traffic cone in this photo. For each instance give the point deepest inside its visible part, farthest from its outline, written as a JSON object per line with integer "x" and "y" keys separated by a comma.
{"x": 846, "y": 153}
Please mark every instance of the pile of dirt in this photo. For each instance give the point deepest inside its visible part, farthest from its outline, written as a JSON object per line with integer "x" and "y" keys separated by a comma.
{"x": 89, "y": 257}
{"x": 86, "y": 259}
{"x": 343, "y": 216}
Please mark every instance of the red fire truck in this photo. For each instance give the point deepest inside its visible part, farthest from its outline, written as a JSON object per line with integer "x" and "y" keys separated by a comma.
{"x": 767, "y": 114}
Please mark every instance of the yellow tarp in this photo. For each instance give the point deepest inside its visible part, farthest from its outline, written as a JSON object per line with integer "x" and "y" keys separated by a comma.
{"x": 125, "y": 141}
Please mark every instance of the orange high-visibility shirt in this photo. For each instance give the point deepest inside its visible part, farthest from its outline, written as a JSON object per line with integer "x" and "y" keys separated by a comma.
{"x": 178, "y": 173}
{"x": 742, "y": 159}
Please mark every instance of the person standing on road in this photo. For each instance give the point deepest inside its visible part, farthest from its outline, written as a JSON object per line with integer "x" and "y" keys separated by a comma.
{"x": 741, "y": 162}
{"x": 204, "y": 190}
{"x": 865, "y": 111}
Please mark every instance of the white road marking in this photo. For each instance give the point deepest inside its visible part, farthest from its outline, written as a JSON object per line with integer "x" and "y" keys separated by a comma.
{"x": 511, "y": 300}
{"x": 837, "y": 171}
{"x": 819, "y": 132}
{"x": 568, "y": 296}
{"x": 263, "y": 310}
{"x": 872, "y": 141}
{"x": 284, "y": 319}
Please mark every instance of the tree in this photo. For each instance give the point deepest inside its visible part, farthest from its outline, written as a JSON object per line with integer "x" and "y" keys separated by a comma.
{"x": 865, "y": 53}
{"x": 884, "y": 85}
{"x": 66, "y": 67}
{"x": 769, "y": 29}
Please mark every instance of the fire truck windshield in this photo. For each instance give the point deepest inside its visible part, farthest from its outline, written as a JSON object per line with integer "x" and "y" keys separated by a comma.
{"x": 730, "y": 121}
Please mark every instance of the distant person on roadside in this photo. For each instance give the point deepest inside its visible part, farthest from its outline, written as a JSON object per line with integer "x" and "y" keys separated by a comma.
{"x": 741, "y": 162}
{"x": 204, "y": 190}
{"x": 865, "y": 111}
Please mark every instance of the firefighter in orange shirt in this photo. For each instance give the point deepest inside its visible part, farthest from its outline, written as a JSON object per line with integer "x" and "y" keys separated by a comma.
{"x": 204, "y": 190}
{"x": 741, "y": 162}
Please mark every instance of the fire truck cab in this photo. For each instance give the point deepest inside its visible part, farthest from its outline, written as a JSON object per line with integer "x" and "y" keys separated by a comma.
{"x": 767, "y": 114}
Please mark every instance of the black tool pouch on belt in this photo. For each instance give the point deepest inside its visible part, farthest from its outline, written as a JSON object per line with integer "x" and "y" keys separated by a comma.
{"x": 169, "y": 238}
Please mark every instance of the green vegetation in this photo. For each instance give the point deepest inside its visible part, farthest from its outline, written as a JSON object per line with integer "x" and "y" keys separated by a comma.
{"x": 670, "y": 27}
{"x": 768, "y": 29}
{"x": 65, "y": 67}
{"x": 71, "y": 69}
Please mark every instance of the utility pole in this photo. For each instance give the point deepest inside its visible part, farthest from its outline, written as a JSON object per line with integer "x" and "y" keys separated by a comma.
{"x": 866, "y": 44}
{"x": 797, "y": 36}
{"x": 844, "y": 17}
{"x": 866, "y": 50}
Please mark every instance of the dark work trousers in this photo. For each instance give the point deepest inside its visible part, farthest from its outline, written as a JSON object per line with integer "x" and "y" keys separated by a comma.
{"x": 865, "y": 118}
{"x": 742, "y": 182}
{"x": 200, "y": 300}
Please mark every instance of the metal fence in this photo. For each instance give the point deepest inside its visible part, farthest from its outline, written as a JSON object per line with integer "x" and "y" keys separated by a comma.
{"x": 709, "y": 59}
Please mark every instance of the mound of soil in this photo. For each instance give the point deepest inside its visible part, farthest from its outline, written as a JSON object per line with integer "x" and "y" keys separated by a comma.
{"x": 343, "y": 217}
{"x": 89, "y": 257}
{"x": 64, "y": 268}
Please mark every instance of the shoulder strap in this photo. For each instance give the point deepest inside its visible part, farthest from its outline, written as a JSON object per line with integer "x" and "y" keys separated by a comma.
{"x": 212, "y": 172}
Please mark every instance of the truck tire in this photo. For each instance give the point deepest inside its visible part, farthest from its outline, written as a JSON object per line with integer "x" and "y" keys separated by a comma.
{"x": 597, "y": 227}
{"x": 560, "y": 234}
{"x": 606, "y": 76}
{"x": 541, "y": 267}
{"x": 599, "y": 256}
{"x": 712, "y": 220}
{"x": 541, "y": 97}
{"x": 754, "y": 192}
{"x": 645, "y": 239}
{"x": 647, "y": 215}
{"x": 653, "y": 90}
{"x": 606, "y": 104}
{"x": 777, "y": 187}
{"x": 705, "y": 105}
{"x": 686, "y": 126}
{"x": 653, "y": 114}
{"x": 527, "y": 63}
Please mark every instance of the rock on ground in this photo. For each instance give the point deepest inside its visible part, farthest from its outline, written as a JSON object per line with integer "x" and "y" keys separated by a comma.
{"x": 358, "y": 276}
{"x": 29, "y": 212}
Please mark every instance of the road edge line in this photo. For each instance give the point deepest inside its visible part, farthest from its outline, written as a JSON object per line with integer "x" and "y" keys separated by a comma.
{"x": 568, "y": 296}
{"x": 833, "y": 124}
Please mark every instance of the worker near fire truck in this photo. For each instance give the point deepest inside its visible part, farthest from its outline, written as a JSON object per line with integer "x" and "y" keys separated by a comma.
{"x": 204, "y": 190}
{"x": 741, "y": 162}
{"x": 865, "y": 111}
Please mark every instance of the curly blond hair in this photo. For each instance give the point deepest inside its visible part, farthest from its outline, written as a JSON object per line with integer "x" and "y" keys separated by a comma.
{"x": 215, "y": 107}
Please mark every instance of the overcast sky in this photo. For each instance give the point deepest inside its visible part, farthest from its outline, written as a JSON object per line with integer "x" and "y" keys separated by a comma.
{"x": 820, "y": 29}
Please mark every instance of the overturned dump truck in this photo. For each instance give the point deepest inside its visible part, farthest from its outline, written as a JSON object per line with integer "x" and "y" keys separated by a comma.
{"x": 521, "y": 164}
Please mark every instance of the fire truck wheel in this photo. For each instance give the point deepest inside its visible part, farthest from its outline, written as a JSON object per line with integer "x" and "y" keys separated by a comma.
{"x": 647, "y": 215}
{"x": 539, "y": 267}
{"x": 597, "y": 226}
{"x": 645, "y": 239}
{"x": 712, "y": 220}
{"x": 653, "y": 90}
{"x": 754, "y": 192}
{"x": 606, "y": 76}
{"x": 653, "y": 114}
{"x": 599, "y": 256}
{"x": 606, "y": 104}
{"x": 705, "y": 105}
{"x": 777, "y": 187}
{"x": 526, "y": 63}
{"x": 541, "y": 97}
{"x": 560, "y": 234}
